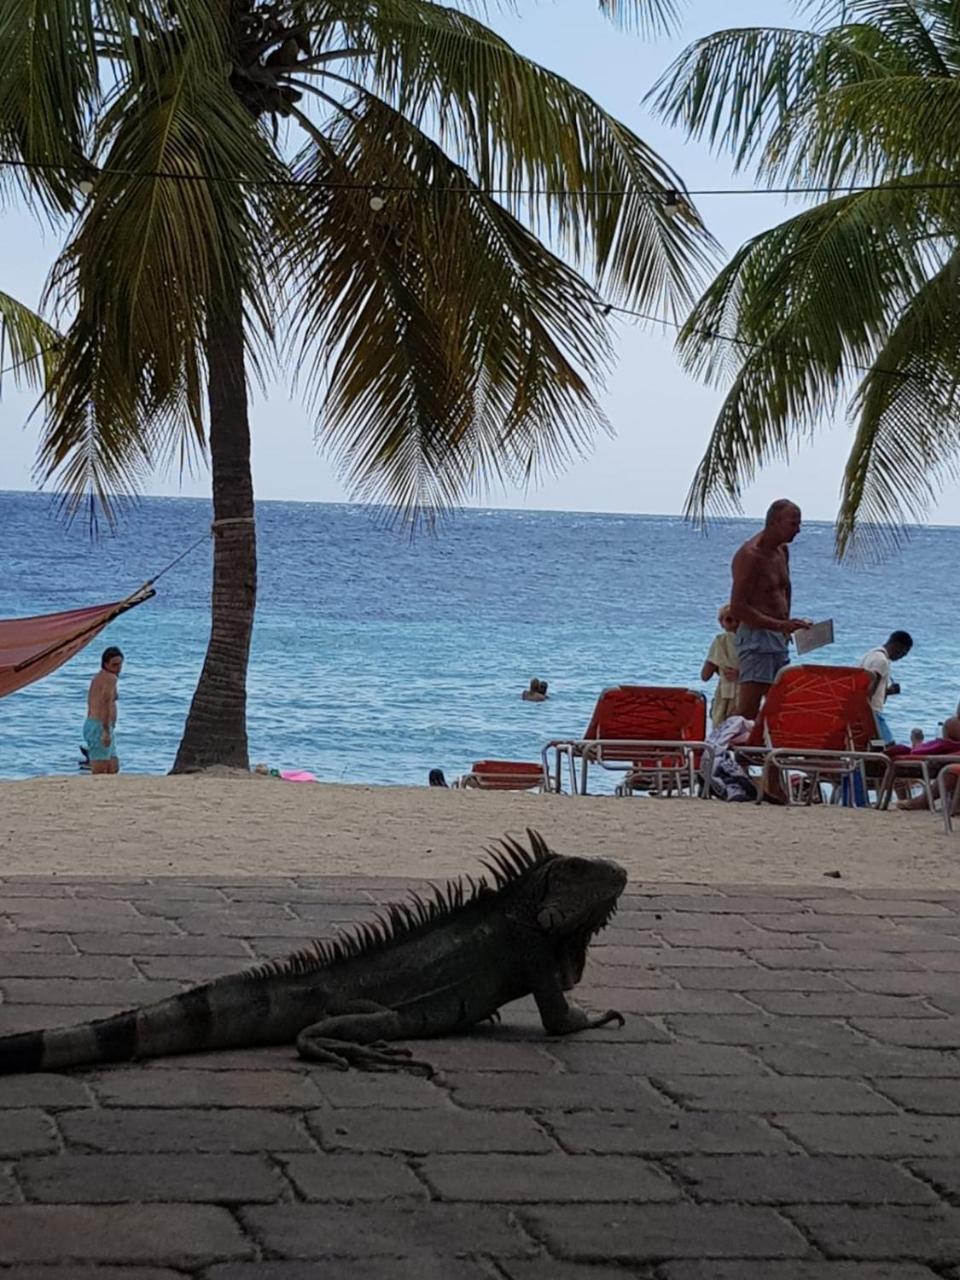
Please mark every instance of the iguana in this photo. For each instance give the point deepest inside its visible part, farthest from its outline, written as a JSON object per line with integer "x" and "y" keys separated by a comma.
{"x": 430, "y": 966}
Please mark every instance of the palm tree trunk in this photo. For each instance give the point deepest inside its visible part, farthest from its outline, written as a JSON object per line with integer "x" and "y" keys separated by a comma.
{"x": 216, "y": 728}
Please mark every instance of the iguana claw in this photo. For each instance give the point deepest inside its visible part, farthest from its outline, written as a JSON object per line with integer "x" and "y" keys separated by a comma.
{"x": 611, "y": 1015}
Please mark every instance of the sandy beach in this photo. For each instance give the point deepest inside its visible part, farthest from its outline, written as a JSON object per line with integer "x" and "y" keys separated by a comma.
{"x": 235, "y": 825}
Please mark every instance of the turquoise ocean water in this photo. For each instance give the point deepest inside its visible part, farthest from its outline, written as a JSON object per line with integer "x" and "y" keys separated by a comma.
{"x": 376, "y": 658}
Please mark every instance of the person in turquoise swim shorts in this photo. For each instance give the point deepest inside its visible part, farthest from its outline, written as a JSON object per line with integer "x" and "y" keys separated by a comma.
{"x": 100, "y": 726}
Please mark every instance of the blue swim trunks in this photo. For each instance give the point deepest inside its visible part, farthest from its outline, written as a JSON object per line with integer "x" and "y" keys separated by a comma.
{"x": 761, "y": 654}
{"x": 93, "y": 740}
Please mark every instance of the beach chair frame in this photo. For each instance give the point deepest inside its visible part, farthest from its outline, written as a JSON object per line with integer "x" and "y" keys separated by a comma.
{"x": 915, "y": 769}
{"x": 949, "y": 804}
{"x": 663, "y": 764}
{"x": 852, "y": 726}
{"x": 504, "y": 775}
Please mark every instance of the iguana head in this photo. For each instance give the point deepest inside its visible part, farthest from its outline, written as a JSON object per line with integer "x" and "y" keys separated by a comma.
{"x": 570, "y": 899}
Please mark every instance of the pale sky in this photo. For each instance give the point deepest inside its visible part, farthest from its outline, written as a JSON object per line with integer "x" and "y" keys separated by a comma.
{"x": 661, "y": 417}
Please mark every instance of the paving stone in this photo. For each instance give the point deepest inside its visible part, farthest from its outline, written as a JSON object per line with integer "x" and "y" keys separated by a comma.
{"x": 191, "y": 968}
{"x": 424, "y": 1231}
{"x": 931, "y": 1234}
{"x": 43, "y": 1090}
{"x": 431, "y": 1130}
{"x": 127, "y": 944}
{"x": 687, "y": 1057}
{"x": 843, "y": 1004}
{"x": 36, "y": 1017}
{"x": 758, "y": 1095}
{"x": 933, "y": 1097}
{"x": 849, "y": 905}
{"x": 918, "y": 983}
{"x": 156, "y": 1234}
{"x": 899, "y": 1135}
{"x": 353, "y": 1177}
{"x": 800, "y": 1180}
{"x": 166, "y": 889}
{"x": 753, "y": 977}
{"x": 51, "y": 915}
{"x": 939, "y": 961}
{"x": 815, "y": 1270}
{"x": 570, "y": 1092}
{"x": 29, "y": 964}
{"x": 664, "y": 1132}
{"x": 649, "y": 1232}
{"x": 40, "y": 943}
{"x": 356, "y": 1269}
{"x": 9, "y": 1192}
{"x": 218, "y": 907}
{"x": 549, "y": 1269}
{"x": 657, "y": 957}
{"x": 24, "y": 1131}
{"x": 189, "y": 1088}
{"x": 599, "y": 977}
{"x": 910, "y": 943}
{"x": 65, "y": 991}
{"x": 814, "y": 923}
{"x": 930, "y": 1033}
{"x": 74, "y": 1272}
{"x": 942, "y": 1172}
{"x": 742, "y": 939}
{"x": 864, "y": 1058}
{"x": 655, "y": 1001}
{"x": 947, "y": 1002}
{"x": 393, "y": 1090}
{"x": 488, "y": 1053}
{"x": 761, "y": 1029}
{"x": 189, "y": 1129}
{"x": 543, "y": 1179}
{"x": 106, "y": 1179}
{"x": 836, "y": 959}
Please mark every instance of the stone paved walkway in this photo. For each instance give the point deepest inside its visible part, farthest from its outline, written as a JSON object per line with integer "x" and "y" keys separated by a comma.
{"x": 783, "y": 1103}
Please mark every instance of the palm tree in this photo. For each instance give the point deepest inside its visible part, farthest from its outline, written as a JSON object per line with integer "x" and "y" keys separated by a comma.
{"x": 854, "y": 300}
{"x": 355, "y": 185}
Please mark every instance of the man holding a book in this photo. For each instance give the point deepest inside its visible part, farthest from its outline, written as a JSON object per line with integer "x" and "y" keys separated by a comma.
{"x": 761, "y": 601}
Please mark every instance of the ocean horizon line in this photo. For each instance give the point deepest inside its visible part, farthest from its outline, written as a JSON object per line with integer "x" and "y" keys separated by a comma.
{"x": 130, "y": 504}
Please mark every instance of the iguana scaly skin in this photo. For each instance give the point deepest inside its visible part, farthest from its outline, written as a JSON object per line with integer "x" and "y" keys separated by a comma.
{"x": 427, "y": 967}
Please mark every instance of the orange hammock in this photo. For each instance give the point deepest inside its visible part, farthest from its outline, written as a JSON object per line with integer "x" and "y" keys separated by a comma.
{"x": 31, "y": 648}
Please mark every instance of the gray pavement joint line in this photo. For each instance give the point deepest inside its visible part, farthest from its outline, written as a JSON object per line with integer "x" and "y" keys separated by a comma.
{"x": 942, "y": 1192}
{"x": 819, "y": 1252}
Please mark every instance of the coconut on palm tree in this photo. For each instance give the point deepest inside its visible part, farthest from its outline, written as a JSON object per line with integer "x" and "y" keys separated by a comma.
{"x": 358, "y": 187}
{"x": 853, "y": 301}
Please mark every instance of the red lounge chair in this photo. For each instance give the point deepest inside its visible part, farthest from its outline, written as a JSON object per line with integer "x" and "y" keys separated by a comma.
{"x": 655, "y": 735}
{"x": 505, "y": 775}
{"x": 817, "y": 720}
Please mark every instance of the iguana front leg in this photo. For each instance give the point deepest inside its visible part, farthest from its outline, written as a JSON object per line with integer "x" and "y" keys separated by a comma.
{"x": 560, "y": 1016}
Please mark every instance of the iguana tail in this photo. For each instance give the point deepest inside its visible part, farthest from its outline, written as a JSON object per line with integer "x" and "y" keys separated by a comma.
{"x": 231, "y": 1012}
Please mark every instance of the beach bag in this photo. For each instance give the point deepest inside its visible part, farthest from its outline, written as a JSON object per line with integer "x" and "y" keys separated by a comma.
{"x": 731, "y": 782}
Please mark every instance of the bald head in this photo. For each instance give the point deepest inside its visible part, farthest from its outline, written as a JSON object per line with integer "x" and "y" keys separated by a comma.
{"x": 783, "y": 520}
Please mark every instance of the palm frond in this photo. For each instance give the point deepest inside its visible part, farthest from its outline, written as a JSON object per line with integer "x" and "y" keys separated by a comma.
{"x": 906, "y": 444}
{"x": 149, "y": 261}
{"x": 793, "y": 316}
{"x": 442, "y": 343}
{"x": 519, "y": 129}
{"x": 742, "y": 89}
{"x": 52, "y": 78}
{"x": 28, "y": 345}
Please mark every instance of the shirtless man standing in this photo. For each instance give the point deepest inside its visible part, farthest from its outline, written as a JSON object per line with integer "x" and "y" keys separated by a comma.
{"x": 761, "y": 603}
{"x": 99, "y": 729}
